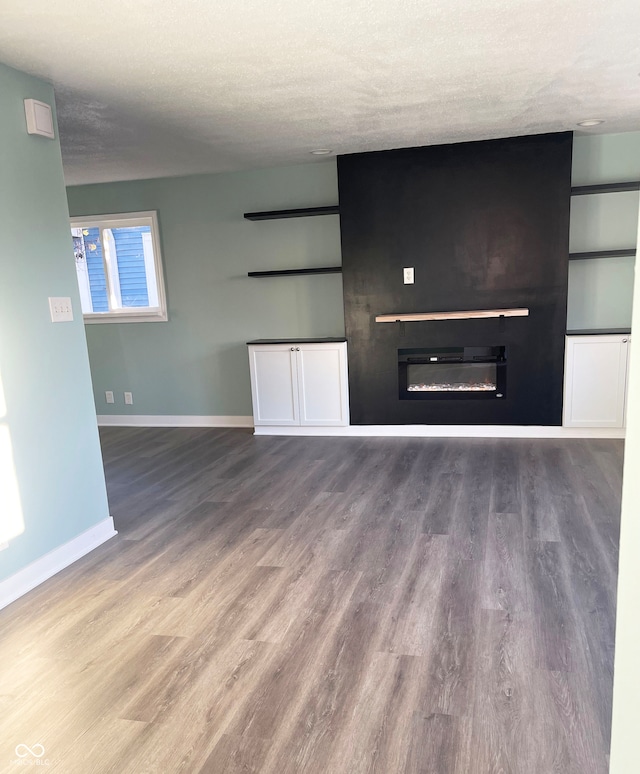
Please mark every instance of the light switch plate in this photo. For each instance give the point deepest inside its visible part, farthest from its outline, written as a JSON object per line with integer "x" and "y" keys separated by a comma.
{"x": 60, "y": 308}
{"x": 128, "y": 398}
{"x": 407, "y": 275}
{"x": 108, "y": 396}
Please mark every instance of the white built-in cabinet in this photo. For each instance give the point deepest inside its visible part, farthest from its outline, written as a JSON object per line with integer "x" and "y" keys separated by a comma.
{"x": 299, "y": 384}
{"x": 595, "y": 393}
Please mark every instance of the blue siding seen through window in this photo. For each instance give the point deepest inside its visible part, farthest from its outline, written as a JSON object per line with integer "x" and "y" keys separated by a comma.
{"x": 131, "y": 270}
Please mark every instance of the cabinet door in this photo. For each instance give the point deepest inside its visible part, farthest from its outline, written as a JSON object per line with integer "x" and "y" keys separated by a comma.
{"x": 274, "y": 384}
{"x": 322, "y": 379}
{"x": 595, "y": 381}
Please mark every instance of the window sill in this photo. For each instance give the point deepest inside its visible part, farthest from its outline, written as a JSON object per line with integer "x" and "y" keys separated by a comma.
{"x": 92, "y": 319}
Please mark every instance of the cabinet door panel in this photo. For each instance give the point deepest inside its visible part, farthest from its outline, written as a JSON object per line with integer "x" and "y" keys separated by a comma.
{"x": 595, "y": 381}
{"x": 323, "y": 384}
{"x": 274, "y": 385}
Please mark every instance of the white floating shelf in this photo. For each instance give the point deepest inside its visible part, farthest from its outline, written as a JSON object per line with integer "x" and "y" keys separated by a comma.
{"x": 473, "y": 314}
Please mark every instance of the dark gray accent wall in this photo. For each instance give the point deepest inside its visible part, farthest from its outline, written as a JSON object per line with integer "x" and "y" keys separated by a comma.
{"x": 485, "y": 225}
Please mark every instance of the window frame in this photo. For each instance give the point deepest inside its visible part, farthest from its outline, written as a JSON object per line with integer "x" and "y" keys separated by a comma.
{"x": 128, "y": 314}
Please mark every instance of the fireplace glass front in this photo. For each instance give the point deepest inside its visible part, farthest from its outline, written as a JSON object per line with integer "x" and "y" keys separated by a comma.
{"x": 452, "y": 373}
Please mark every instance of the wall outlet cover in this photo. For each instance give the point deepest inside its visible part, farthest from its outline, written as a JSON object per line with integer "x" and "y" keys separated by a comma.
{"x": 407, "y": 275}
{"x": 128, "y": 398}
{"x": 108, "y": 396}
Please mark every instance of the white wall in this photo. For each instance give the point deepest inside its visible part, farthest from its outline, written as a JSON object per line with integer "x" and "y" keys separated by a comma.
{"x": 625, "y": 752}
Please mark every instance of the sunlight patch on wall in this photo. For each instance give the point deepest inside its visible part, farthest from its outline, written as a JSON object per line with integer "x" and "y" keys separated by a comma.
{"x": 11, "y": 519}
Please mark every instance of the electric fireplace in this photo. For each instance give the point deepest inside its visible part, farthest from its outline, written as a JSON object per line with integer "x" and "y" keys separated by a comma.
{"x": 452, "y": 373}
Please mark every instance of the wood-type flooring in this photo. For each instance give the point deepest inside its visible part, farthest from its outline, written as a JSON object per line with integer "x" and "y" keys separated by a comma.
{"x": 327, "y": 606}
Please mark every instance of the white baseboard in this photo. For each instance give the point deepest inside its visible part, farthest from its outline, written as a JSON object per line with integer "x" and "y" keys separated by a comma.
{"x": 160, "y": 420}
{"x": 48, "y": 565}
{"x": 400, "y": 431}
{"x": 447, "y": 431}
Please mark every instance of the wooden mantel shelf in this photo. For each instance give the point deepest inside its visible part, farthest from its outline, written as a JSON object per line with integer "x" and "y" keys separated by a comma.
{"x": 473, "y": 314}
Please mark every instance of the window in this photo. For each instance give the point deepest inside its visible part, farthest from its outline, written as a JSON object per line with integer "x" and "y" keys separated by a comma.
{"x": 119, "y": 267}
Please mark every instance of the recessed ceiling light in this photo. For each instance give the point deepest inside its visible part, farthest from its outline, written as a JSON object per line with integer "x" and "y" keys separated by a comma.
{"x": 321, "y": 152}
{"x": 591, "y": 122}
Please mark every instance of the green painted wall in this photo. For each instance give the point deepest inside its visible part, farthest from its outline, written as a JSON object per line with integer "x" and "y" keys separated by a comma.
{"x": 196, "y": 363}
{"x": 605, "y": 158}
{"x": 601, "y": 290}
{"x": 50, "y": 448}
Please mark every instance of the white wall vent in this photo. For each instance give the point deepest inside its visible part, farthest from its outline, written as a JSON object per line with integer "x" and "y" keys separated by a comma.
{"x": 39, "y": 118}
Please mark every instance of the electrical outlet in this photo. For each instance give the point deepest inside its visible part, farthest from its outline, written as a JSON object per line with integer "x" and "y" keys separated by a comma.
{"x": 60, "y": 308}
{"x": 108, "y": 396}
{"x": 128, "y": 398}
{"x": 407, "y": 275}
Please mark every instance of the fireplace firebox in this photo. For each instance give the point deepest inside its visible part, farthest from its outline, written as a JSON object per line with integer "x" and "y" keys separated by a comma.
{"x": 452, "y": 373}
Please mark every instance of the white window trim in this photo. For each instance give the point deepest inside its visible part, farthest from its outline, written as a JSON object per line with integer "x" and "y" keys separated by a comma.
{"x": 114, "y": 220}
{"x": 83, "y": 280}
{"x": 111, "y": 268}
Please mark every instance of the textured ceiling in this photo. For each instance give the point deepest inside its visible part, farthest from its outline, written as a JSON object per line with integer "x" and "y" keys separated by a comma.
{"x": 151, "y": 88}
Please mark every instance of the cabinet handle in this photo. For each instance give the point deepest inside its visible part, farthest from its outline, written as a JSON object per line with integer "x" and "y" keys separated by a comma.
{"x": 624, "y": 341}
{"x": 292, "y": 349}
{"x": 297, "y": 349}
